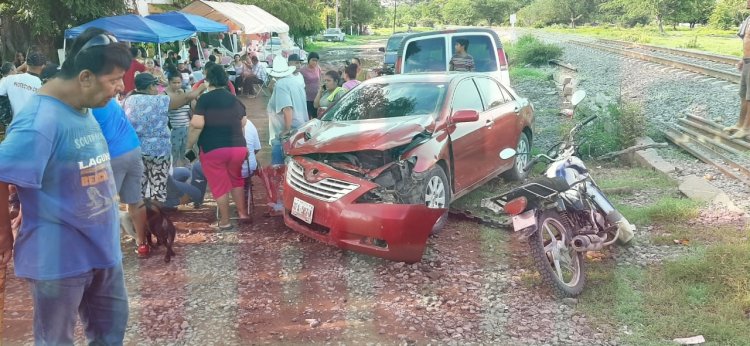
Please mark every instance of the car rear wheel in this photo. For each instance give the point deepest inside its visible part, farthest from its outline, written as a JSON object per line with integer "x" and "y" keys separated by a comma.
{"x": 434, "y": 191}
{"x": 523, "y": 148}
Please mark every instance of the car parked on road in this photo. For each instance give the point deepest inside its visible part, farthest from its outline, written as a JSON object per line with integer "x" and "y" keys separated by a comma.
{"x": 391, "y": 50}
{"x": 432, "y": 52}
{"x": 274, "y": 46}
{"x": 377, "y": 172}
{"x": 333, "y": 34}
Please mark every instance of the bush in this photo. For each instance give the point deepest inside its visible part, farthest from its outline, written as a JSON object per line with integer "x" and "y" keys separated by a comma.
{"x": 617, "y": 128}
{"x": 528, "y": 50}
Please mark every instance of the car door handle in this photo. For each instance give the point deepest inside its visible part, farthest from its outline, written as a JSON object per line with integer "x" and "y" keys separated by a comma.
{"x": 489, "y": 123}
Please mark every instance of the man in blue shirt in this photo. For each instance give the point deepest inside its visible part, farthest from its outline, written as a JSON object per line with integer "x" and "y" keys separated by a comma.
{"x": 68, "y": 247}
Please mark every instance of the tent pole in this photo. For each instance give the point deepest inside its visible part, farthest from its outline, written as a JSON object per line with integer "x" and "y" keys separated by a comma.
{"x": 158, "y": 49}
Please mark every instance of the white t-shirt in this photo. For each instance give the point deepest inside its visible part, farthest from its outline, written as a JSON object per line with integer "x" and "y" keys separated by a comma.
{"x": 253, "y": 144}
{"x": 19, "y": 88}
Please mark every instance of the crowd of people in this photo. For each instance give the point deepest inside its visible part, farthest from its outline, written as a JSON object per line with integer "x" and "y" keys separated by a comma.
{"x": 113, "y": 126}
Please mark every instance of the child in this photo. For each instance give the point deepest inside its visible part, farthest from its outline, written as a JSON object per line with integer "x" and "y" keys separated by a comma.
{"x": 461, "y": 60}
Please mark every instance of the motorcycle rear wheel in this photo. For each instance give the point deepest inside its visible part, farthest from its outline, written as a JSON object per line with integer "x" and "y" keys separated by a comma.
{"x": 560, "y": 266}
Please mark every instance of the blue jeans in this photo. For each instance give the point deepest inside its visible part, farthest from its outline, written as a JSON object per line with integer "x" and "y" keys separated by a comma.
{"x": 98, "y": 297}
{"x": 277, "y": 152}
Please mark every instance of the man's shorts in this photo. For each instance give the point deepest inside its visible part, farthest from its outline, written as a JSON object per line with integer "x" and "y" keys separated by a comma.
{"x": 745, "y": 80}
{"x": 128, "y": 171}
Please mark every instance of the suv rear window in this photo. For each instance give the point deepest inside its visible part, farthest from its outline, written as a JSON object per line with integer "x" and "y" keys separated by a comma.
{"x": 425, "y": 56}
{"x": 381, "y": 100}
{"x": 481, "y": 49}
{"x": 393, "y": 43}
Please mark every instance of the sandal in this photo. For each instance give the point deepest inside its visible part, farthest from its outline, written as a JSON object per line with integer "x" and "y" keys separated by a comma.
{"x": 220, "y": 228}
{"x": 142, "y": 251}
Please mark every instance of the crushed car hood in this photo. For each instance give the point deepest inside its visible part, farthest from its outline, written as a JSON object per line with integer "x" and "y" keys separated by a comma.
{"x": 375, "y": 134}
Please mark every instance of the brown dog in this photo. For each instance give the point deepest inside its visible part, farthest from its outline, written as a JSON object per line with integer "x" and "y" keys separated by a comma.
{"x": 160, "y": 226}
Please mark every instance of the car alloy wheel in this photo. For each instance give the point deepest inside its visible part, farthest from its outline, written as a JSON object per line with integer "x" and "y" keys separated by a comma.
{"x": 435, "y": 193}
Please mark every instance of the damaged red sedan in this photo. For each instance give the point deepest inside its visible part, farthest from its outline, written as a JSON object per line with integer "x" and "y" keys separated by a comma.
{"x": 378, "y": 171}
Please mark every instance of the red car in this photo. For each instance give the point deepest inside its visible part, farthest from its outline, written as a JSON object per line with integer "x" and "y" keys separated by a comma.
{"x": 377, "y": 172}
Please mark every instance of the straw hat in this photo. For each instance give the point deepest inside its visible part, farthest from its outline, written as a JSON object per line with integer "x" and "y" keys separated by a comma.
{"x": 280, "y": 68}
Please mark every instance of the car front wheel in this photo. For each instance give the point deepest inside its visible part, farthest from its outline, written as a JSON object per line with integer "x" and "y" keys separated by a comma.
{"x": 434, "y": 191}
{"x": 523, "y": 156}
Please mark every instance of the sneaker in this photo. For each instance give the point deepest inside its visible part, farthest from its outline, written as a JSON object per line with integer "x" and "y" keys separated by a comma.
{"x": 142, "y": 251}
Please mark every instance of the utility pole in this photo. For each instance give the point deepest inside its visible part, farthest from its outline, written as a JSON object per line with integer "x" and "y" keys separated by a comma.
{"x": 350, "y": 18}
{"x": 337, "y": 13}
{"x": 394, "y": 16}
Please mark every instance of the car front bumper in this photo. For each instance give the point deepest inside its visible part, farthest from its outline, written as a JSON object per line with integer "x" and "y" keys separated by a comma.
{"x": 396, "y": 232}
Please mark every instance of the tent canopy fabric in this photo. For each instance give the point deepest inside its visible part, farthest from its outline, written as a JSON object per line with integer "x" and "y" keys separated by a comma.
{"x": 133, "y": 28}
{"x": 248, "y": 19}
{"x": 189, "y": 21}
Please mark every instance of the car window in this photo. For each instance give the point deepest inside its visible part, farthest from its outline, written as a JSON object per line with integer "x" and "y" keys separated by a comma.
{"x": 275, "y": 41}
{"x": 393, "y": 43}
{"x": 333, "y": 31}
{"x": 466, "y": 97}
{"x": 381, "y": 100}
{"x": 492, "y": 94}
{"x": 425, "y": 55}
{"x": 508, "y": 96}
{"x": 481, "y": 49}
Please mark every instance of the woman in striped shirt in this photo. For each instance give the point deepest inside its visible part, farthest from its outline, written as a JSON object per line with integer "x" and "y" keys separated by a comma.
{"x": 179, "y": 121}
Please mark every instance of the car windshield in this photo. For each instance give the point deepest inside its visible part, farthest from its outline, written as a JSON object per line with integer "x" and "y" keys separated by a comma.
{"x": 383, "y": 100}
{"x": 393, "y": 43}
{"x": 275, "y": 41}
{"x": 332, "y": 31}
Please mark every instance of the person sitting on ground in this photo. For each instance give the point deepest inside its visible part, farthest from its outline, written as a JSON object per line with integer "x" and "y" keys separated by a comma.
{"x": 461, "y": 60}
{"x": 148, "y": 112}
{"x": 186, "y": 185}
{"x": 330, "y": 92}
{"x": 350, "y": 76}
{"x": 217, "y": 128}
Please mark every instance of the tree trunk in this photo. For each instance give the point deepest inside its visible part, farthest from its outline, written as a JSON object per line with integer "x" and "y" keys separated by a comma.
{"x": 661, "y": 26}
{"x": 14, "y": 37}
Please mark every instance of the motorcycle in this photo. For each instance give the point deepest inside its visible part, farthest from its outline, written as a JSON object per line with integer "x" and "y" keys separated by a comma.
{"x": 563, "y": 214}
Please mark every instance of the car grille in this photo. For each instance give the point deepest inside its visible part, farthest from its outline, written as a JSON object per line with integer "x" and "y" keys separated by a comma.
{"x": 327, "y": 190}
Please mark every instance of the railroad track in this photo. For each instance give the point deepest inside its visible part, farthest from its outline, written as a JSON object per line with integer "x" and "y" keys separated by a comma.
{"x": 717, "y": 66}
{"x": 705, "y": 140}
{"x": 698, "y": 136}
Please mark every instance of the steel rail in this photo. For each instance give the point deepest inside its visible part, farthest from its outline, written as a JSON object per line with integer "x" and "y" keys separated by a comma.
{"x": 724, "y": 59}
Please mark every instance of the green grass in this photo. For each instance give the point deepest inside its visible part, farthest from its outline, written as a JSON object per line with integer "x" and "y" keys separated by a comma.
{"x": 348, "y": 42}
{"x": 641, "y": 177}
{"x": 706, "y": 293}
{"x": 665, "y": 209}
{"x": 528, "y": 73}
{"x": 706, "y": 39}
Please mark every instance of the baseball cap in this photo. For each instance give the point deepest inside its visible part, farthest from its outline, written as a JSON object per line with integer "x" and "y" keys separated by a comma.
{"x": 314, "y": 55}
{"x": 294, "y": 57}
{"x": 145, "y": 80}
{"x": 36, "y": 58}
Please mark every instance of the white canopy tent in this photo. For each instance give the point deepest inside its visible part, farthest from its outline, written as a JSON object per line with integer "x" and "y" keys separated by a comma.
{"x": 243, "y": 19}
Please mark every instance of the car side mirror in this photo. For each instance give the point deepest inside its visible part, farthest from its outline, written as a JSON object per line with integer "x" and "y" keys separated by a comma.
{"x": 507, "y": 153}
{"x": 321, "y": 111}
{"x": 577, "y": 97}
{"x": 465, "y": 116}
{"x": 521, "y": 104}
{"x": 381, "y": 49}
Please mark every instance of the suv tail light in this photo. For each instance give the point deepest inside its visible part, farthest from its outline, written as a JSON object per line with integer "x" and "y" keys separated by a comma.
{"x": 502, "y": 58}
{"x": 516, "y": 206}
{"x": 397, "y": 69}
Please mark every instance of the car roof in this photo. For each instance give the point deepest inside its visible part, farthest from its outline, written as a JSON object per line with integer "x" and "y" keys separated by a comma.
{"x": 427, "y": 77}
{"x": 491, "y": 32}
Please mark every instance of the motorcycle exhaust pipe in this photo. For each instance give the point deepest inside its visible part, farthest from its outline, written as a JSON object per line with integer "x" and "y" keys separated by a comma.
{"x": 625, "y": 230}
{"x": 587, "y": 242}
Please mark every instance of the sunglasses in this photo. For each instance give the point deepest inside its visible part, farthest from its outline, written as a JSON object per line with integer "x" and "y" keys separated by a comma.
{"x": 97, "y": 41}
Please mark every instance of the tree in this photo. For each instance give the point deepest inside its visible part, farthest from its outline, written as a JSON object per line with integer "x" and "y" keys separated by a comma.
{"x": 460, "y": 12}
{"x": 575, "y": 10}
{"x": 494, "y": 11}
{"x": 303, "y": 16}
{"x": 728, "y": 14}
{"x": 694, "y": 11}
{"x": 661, "y": 10}
{"x": 42, "y": 22}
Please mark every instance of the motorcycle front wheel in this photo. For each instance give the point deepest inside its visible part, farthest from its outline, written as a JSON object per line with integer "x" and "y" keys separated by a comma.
{"x": 560, "y": 266}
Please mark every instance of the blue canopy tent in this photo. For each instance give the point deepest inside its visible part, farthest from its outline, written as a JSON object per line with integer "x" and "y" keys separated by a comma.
{"x": 133, "y": 28}
{"x": 190, "y": 22}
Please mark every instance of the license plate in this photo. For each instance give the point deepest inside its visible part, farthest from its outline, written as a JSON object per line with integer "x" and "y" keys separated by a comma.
{"x": 302, "y": 210}
{"x": 525, "y": 220}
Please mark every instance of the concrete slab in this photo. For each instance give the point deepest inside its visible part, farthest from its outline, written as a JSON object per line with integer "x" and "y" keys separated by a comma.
{"x": 650, "y": 158}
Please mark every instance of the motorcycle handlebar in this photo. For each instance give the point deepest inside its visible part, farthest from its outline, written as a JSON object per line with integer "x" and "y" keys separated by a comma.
{"x": 588, "y": 120}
